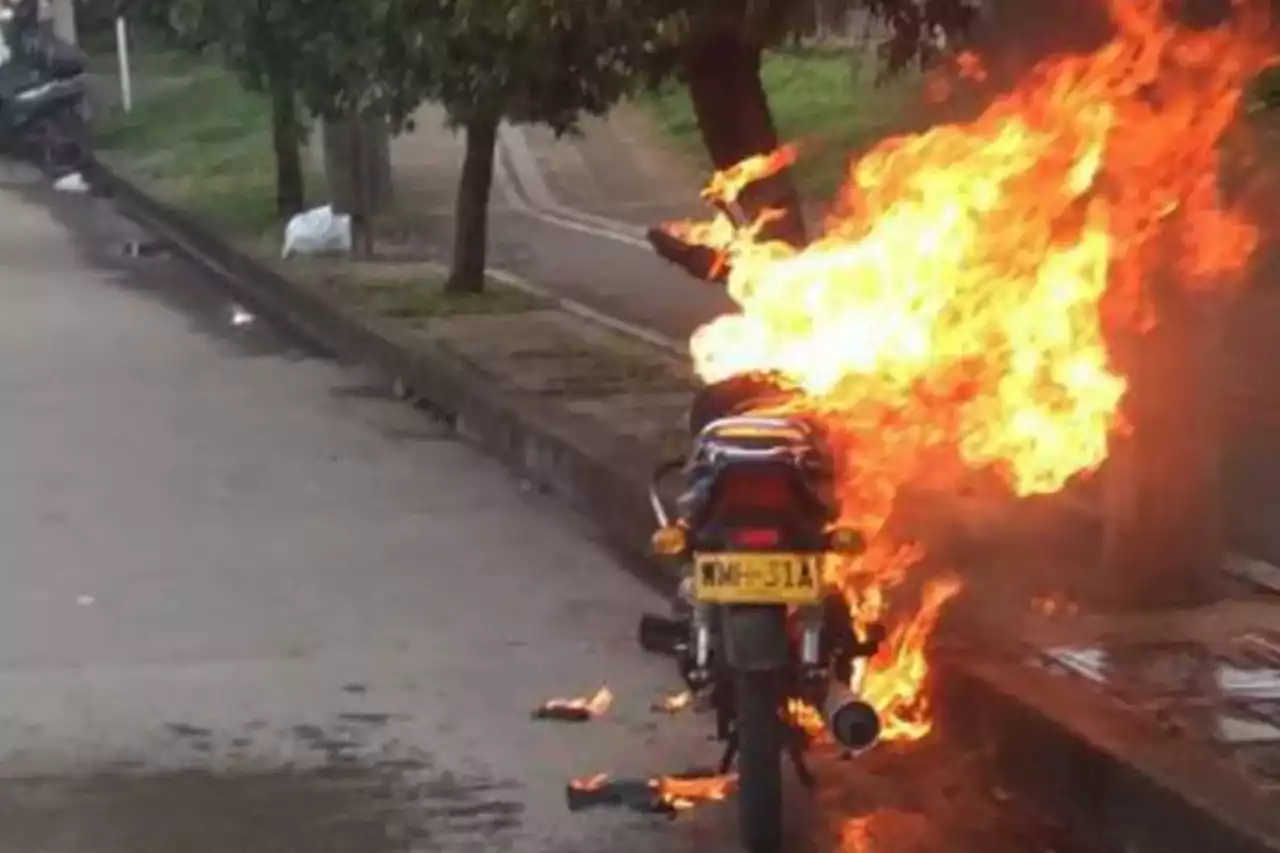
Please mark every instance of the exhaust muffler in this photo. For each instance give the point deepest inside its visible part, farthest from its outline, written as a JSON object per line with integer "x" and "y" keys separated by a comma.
{"x": 852, "y": 722}
{"x": 661, "y": 635}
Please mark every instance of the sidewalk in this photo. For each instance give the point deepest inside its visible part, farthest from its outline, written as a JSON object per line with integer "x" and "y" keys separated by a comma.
{"x": 619, "y": 169}
{"x": 618, "y": 276}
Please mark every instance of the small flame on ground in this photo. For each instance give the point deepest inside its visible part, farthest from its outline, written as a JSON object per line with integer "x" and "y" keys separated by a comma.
{"x": 674, "y": 703}
{"x": 683, "y": 793}
{"x": 587, "y": 784}
{"x": 595, "y": 706}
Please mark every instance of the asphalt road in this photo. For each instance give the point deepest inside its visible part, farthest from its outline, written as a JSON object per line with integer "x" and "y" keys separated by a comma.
{"x": 251, "y": 603}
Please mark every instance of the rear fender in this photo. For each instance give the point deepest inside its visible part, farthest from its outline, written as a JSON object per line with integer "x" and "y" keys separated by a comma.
{"x": 755, "y": 637}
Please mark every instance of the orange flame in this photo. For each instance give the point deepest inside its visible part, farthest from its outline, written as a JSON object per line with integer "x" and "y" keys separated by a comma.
{"x": 958, "y": 305}
{"x": 896, "y": 676}
{"x": 719, "y": 233}
{"x": 594, "y": 706}
{"x": 683, "y": 793}
{"x": 804, "y": 716}
{"x": 674, "y": 703}
{"x": 590, "y": 783}
{"x": 727, "y": 185}
{"x": 855, "y": 835}
{"x": 722, "y": 232}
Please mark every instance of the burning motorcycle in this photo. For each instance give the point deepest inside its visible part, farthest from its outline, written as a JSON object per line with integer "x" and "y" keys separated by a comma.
{"x": 756, "y": 628}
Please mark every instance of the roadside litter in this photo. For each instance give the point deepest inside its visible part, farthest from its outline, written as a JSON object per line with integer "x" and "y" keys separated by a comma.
{"x": 669, "y": 795}
{"x": 316, "y": 232}
{"x": 578, "y": 710}
{"x": 73, "y": 182}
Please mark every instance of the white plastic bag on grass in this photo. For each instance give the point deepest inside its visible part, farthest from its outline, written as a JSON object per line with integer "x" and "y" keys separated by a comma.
{"x": 316, "y": 232}
{"x": 73, "y": 182}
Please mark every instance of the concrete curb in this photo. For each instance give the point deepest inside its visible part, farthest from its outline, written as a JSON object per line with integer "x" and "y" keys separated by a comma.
{"x": 1070, "y": 760}
{"x": 1106, "y": 776}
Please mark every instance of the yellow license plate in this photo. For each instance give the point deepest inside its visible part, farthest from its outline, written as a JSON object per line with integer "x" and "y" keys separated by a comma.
{"x": 757, "y": 578}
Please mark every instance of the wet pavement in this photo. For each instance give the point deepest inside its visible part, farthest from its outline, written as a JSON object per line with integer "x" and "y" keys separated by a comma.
{"x": 253, "y": 603}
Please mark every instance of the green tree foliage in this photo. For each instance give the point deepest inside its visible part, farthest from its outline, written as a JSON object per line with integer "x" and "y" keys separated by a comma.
{"x": 525, "y": 61}
{"x": 351, "y": 58}
{"x": 254, "y": 39}
{"x": 330, "y": 58}
{"x": 357, "y": 66}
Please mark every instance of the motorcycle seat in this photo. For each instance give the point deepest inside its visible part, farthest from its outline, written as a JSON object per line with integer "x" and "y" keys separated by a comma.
{"x": 60, "y": 60}
{"x": 64, "y": 68}
{"x": 46, "y": 54}
{"x": 738, "y": 395}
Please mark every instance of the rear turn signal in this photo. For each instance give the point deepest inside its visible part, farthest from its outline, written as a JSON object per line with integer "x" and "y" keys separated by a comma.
{"x": 669, "y": 541}
{"x": 846, "y": 540}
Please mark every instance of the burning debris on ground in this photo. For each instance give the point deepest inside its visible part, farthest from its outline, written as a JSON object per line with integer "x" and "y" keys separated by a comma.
{"x": 686, "y": 791}
{"x": 959, "y": 312}
{"x": 665, "y": 795}
{"x": 576, "y": 710}
{"x": 672, "y": 704}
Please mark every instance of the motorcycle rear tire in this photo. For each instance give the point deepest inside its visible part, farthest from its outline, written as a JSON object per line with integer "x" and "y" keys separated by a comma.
{"x": 760, "y": 743}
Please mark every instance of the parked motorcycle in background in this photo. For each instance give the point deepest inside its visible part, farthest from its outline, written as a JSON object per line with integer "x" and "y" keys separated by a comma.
{"x": 43, "y": 92}
{"x": 756, "y": 630}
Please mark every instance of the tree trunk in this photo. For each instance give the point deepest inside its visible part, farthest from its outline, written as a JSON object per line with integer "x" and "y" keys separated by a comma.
{"x": 362, "y": 201}
{"x": 344, "y": 170}
{"x": 378, "y": 162}
{"x": 358, "y": 168}
{"x": 1164, "y": 540}
{"x": 285, "y": 127}
{"x": 808, "y": 25}
{"x": 733, "y": 115}
{"x": 471, "y": 218}
{"x": 63, "y": 13}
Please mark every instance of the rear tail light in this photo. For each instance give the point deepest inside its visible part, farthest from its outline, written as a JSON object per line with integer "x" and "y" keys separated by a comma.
{"x": 755, "y": 490}
{"x": 755, "y": 538}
